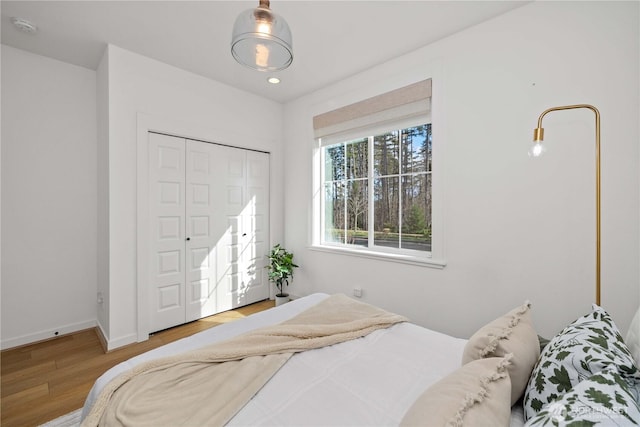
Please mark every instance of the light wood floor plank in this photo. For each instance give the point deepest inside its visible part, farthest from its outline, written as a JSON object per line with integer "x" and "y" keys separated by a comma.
{"x": 45, "y": 380}
{"x": 27, "y": 370}
{"x": 30, "y": 394}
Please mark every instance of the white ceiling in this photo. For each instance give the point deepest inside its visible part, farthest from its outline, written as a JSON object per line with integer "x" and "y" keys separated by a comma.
{"x": 331, "y": 39}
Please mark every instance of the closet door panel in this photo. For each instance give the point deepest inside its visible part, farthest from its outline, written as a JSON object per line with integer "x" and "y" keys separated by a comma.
{"x": 201, "y": 242}
{"x": 256, "y": 220}
{"x": 241, "y": 270}
{"x": 231, "y": 182}
{"x": 167, "y": 219}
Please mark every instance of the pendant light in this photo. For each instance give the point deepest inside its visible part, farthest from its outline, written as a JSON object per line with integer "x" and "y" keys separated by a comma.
{"x": 262, "y": 40}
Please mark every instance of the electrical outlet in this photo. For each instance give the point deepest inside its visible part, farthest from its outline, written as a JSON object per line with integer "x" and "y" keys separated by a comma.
{"x": 357, "y": 292}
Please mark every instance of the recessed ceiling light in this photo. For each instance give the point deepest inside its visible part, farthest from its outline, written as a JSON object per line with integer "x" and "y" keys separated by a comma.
{"x": 24, "y": 25}
{"x": 273, "y": 80}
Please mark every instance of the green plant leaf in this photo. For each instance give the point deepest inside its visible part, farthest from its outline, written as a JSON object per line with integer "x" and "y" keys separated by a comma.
{"x": 598, "y": 396}
{"x": 561, "y": 379}
{"x": 536, "y": 405}
{"x": 540, "y": 382}
{"x": 600, "y": 340}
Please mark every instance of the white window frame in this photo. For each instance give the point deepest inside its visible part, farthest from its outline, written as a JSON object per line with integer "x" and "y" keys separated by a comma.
{"x": 435, "y": 258}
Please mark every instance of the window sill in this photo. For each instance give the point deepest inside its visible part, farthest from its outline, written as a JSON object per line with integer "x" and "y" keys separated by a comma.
{"x": 399, "y": 258}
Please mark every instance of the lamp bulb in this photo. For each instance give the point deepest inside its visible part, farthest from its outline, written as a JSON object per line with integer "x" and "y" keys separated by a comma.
{"x": 262, "y": 55}
{"x": 264, "y": 27}
{"x": 537, "y": 149}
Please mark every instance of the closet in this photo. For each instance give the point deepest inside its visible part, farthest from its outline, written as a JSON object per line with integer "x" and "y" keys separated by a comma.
{"x": 208, "y": 228}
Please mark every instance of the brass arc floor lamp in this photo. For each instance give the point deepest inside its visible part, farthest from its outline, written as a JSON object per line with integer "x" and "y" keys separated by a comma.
{"x": 538, "y": 149}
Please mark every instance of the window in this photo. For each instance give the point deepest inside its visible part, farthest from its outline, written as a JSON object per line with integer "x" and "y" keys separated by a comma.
{"x": 373, "y": 182}
{"x": 377, "y": 191}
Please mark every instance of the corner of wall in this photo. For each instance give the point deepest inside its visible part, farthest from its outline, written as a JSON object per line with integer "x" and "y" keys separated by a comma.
{"x": 102, "y": 163}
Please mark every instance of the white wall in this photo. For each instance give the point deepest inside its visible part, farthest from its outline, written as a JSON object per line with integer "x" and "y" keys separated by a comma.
{"x": 102, "y": 172}
{"x": 48, "y": 197}
{"x": 514, "y": 228}
{"x": 203, "y": 108}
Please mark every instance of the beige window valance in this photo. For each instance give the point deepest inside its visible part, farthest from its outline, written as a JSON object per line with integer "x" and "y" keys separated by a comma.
{"x": 402, "y": 103}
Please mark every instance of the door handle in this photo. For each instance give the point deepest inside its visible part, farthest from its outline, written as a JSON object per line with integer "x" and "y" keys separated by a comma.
{"x": 188, "y": 238}
{"x": 244, "y": 234}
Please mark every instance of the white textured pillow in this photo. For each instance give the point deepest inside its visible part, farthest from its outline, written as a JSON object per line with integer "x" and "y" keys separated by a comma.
{"x": 633, "y": 338}
{"x": 476, "y": 394}
{"x": 512, "y": 333}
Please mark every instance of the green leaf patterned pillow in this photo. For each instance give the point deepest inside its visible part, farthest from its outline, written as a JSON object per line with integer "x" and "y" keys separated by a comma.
{"x": 589, "y": 345}
{"x": 603, "y": 399}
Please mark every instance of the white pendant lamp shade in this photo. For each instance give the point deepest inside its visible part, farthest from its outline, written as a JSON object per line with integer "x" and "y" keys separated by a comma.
{"x": 262, "y": 39}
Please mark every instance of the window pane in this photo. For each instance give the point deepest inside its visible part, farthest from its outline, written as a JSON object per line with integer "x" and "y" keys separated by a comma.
{"x": 334, "y": 162}
{"x": 416, "y": 149}
{"x": 386, "y": 199}
{"x": 386, "y": 154}
{"x": 334, "y": 212}
{"x": 416, "y": 212}
{"x": 401, "y": 203}
{"x": 357, "y": 213}
{"x": 357, "y": 158}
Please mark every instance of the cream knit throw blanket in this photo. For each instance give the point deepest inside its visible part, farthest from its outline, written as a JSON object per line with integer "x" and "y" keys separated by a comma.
{"x": 207, "y": 387}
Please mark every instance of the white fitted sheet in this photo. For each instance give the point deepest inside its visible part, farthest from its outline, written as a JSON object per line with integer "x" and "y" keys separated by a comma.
{"x": 369, "y": 381}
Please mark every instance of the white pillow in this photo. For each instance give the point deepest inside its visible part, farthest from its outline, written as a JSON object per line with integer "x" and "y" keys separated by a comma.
{"x": 587, "y": 346}
{"x": 512, "y": 333}
{"x": 633, "y": 338}
{"x": 476, "y": 394}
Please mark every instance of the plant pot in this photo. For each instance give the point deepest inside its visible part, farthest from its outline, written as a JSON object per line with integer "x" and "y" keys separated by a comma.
{"x": 282, "y": 299}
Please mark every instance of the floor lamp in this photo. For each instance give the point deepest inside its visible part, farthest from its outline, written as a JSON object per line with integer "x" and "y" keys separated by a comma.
{"x": 537, "y": 149}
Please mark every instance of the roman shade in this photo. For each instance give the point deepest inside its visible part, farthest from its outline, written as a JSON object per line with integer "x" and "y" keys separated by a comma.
{"x": 397, "y": 106}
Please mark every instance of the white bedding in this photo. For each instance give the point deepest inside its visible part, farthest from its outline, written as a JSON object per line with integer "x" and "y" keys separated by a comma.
{"x": 369, "y": 381}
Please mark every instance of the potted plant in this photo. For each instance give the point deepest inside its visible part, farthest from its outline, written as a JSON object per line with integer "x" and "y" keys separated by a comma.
{"x": 280, "y": 270}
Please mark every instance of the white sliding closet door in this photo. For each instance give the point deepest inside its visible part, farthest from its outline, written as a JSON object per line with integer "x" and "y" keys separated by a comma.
{"x": 201, "y": 238}
{"x": 167, "y": 230}
{"x": 256, "y": 226}
{"x": 208, "y": 210}
{"x": 245, "y": 186}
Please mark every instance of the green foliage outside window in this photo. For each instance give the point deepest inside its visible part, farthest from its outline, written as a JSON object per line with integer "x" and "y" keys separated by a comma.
{"x": 401, "y": 163}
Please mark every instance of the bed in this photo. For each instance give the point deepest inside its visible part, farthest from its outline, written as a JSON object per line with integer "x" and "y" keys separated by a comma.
{"x": 399, "y": 374}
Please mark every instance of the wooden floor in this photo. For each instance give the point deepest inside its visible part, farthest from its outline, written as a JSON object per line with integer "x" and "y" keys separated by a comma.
{"x": 43, "y": 381}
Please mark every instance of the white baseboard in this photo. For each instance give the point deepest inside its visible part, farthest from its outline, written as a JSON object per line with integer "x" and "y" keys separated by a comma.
{"x": 113, "y": 344}
{"x": 48, "y": 334}
{"x": 102, "y": 337}
{"x": 110, "y": 345}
